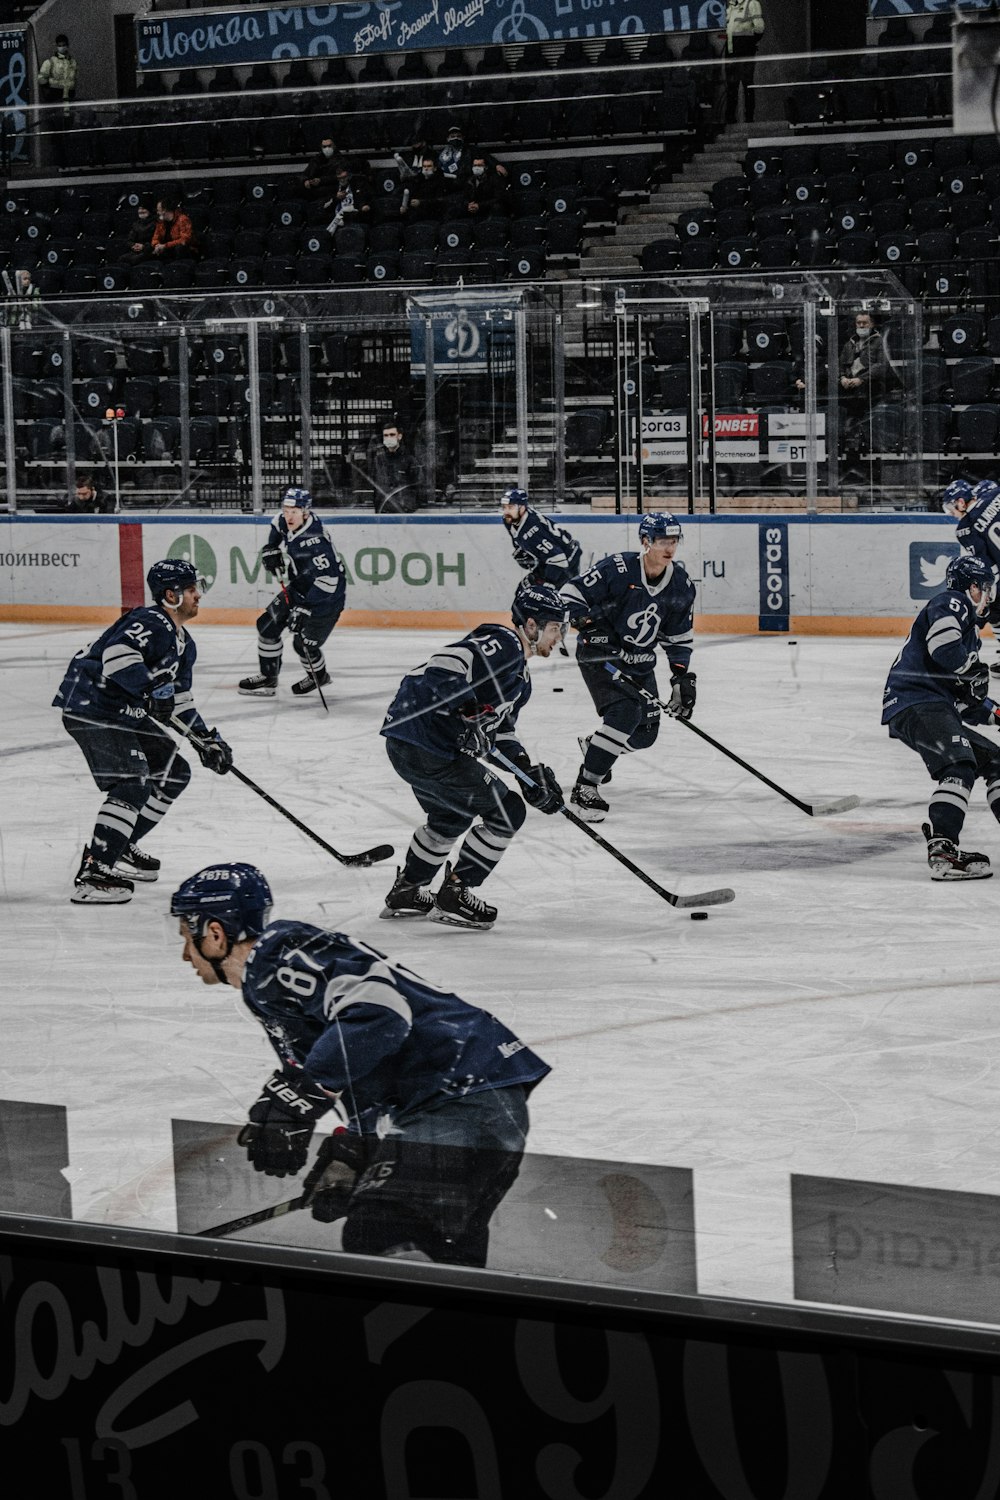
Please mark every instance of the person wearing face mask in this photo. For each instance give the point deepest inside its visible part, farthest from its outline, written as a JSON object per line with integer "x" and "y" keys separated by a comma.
{"x": 864, "y": 374}
{"x": 57, "y": 85}
{"x": 482, "y": 190}
{"x": 428, "y": 192}
{"x": 454, "y": 160}
{"x": 393, "y": 472}
{"x": 320, "y": 180}
{"x": 139, "y": 235}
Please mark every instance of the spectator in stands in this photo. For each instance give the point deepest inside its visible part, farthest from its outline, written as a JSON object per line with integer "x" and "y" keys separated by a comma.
{"x": 744, "y": 29}
{"x": 320, "y": 180}
{"x": 57, "y": 85}
{"x": 864, "y": 377}
{"x": 24, "y": 300}
{"x": 454, "y": 160}
{"x": 410, "y": 159}
{"x": 482, "y": 189}
{"x": 88, "y": 500}
{"x": 173, "y": 237}
{"x": 352, "y": 198}
{"x": 393, "y": 471}
{"x": 427, "y": 195}
{"x": 139, "y": 236}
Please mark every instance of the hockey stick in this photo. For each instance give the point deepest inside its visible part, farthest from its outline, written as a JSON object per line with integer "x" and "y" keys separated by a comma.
{"x": 704, "y": 898}
{"x": 262, "y": 1216}
{"x": 814, "y": 809}
{"x": 366, "y": 857}
{"x": 309, "y": 666}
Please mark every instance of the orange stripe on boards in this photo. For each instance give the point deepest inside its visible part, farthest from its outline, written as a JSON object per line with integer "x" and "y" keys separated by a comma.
{"x": 60, "y": 614}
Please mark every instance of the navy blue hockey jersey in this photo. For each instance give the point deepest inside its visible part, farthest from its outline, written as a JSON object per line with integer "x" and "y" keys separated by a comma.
{"x": 485, "y": 669}
{"x": 979, "y": 531}
{"x": 621, "y": 616}
{"x": 943, "y": 640}
{"x": 547, "y": 552}
{"x": 370, "y": 1030}
{"x": 316, "y": 576}
{"x": 112, "y": 679}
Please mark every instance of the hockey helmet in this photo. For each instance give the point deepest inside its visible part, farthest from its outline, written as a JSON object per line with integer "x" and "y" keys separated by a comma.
{"x": 513, "y": 496}
{"x": 237, "y": 896}
{"x": 301, "y": 499}
{"x": 985, "y": 490}
{"x": 659, "y": 525}
{"x": 538, "y": 601}
{"x": 958, "y": 491}
{"x": 173, "y": 574}
{"x": 966, "y": 570}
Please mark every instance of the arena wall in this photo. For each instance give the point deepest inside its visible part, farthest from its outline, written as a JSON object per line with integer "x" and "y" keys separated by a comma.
{"x": 820, "y": 575}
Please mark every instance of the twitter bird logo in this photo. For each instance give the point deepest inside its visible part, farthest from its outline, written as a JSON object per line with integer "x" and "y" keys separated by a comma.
{"x": 928, "y": 565}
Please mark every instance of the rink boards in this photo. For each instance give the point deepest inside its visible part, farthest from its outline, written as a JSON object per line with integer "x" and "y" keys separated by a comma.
{"x": 812, "y": 575}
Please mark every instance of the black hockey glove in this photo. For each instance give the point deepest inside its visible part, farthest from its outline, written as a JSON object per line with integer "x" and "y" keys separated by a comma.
{"x": 331, "y": 1178}
{"x": 478, "y": 728}
{"x": 272, "y": 560}
{"x": 214, "y": 754}
{"x": 546, "y": 794}
{"x": 161, "y": 704}
{"x": 973, "y": 682}
{"x": 683, "y": 694}
{"x": 281, "y": 1122}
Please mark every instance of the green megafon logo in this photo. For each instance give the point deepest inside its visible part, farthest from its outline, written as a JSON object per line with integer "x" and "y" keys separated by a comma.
{"x": 195, "y": 549}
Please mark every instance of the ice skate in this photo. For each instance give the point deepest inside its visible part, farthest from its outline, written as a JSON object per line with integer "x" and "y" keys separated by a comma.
{"x": 407, "y": 899}
{"x": 309, "y": 684}
{"x": 948, "y": 862}
{"x": 135, "y": 864}
{"x": 258, "y": 686}
{"x": 592, "y": 806}
{"x": 96, "y": 884}
{"x": 457, "y": 905}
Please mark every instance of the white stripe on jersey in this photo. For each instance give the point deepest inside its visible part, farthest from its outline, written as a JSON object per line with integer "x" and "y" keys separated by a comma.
{"x": 365, "y": 989}
{"x": 687, "y": 639}
{"x": 183, "y": 701}
{"x": 570, "y": 591}
{"x": 457, "y": 659}
{"x": 119, "y": 657}
{"x": 329, "y": 585}
{"x": 942, "y": 633}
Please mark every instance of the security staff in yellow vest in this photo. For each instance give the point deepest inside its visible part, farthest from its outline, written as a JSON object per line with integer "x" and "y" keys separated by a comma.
{"x": 744, "y": 29}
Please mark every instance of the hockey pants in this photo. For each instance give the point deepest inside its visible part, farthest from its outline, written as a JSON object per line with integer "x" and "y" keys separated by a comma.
{"x": 955, "y": 756}
{"x": 141, "y": 773}
{"x": 627, "y": 721}
{"x": 307, "y": 641}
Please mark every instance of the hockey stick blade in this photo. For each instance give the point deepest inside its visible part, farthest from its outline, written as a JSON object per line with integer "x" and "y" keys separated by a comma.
{"x": 262, "y": 1216}
{"x": 369, "y": 856}
{"x": 721, "y": 897}
{"x": 835, "y": 805}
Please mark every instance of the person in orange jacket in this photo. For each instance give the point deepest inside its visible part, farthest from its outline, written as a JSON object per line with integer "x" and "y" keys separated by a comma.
{"x": 174, "y": 233}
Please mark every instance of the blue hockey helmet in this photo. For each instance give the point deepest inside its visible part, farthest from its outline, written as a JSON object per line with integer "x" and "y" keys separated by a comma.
{"x": 538, "y": 601}
{"x": 985, "y": 490}
{"x": 659, "y": 525}
{"x": 966, "y": 570}
{"x": 173, "y": 574}
{"x": 958, "y": 490}
{"x": 299, "y": 498}
{"x": 514, "y": 496}
{"x": 237, "y": 896}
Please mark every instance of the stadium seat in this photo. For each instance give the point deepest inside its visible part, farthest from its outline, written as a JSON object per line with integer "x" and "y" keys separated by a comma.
{"x": 962, "y": 335}
{"x": 972, "y": 379}
{"x": 660, "y": 256}
{"x": 587, "y": 431}
{"x": 976, "y": 429}
{"x": 382, "y": 266}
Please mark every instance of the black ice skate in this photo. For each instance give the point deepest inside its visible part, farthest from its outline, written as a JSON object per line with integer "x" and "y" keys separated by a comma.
{"x": 308, "y": 684}
{"x": 456, "y": 904}
{"x": 96, "y": 884}
{"x": 948, "y": 862}
{"x": 592, "y": 806}
{"x": 258, "y": 686}
{"x": 136, "y": 864}
{"x": 407, "y": 899}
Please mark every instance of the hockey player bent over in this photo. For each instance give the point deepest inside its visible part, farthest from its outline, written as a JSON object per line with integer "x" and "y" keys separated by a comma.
{"x": 115, "y": 697}
{"x": 430, "y": 1093}
{"x": 446, "y": 714}
{"x": 309, "y": 605}
{"x": 625, "y": 607}
{"x": 936, "y": 682}
{"x": 977, "y": 516}
{"x": 547, "y": 552}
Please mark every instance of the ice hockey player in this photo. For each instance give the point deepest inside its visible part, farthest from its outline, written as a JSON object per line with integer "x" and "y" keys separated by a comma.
{"x": 935, "y": 689}
{"x": 625, "y": 607}
{"x": 310, "y": 602}
{"x": 429, "y": 1093}
{"x": 448, "y": 712}
{"x": 977, "y": 516}
{"x": 547, "y": 552}
{"x": 115, "y": 698}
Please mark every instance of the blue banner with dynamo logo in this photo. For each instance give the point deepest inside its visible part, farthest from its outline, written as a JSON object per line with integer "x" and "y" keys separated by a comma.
{"x": 472, "y": 333}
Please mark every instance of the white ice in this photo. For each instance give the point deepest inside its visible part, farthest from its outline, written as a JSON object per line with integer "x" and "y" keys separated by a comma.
{"x": 837, "y": 1019}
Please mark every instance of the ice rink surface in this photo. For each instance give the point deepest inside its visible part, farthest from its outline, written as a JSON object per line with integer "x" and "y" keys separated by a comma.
{"x": 838, "y": 1019}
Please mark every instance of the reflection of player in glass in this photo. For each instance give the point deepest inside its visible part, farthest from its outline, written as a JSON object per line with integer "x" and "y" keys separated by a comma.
{"x": 935, "y": 690}
{"x": 547, "y": 552}
{"x": 429, "y": 1093}
{"x": 310, "y": 601}
{"x": 976, "y": 512}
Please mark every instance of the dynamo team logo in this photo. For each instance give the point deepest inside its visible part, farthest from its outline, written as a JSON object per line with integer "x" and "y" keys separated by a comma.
{"x": 644, "y": 627}
{"x": 195, "y": 549}
{"x": 928, "y": 565}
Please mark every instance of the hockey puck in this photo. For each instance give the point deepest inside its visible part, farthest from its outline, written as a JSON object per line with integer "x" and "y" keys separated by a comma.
{"x": 558, "y": 690}
{"x": 699, "y": 916}
{"x": 793, "y": 643}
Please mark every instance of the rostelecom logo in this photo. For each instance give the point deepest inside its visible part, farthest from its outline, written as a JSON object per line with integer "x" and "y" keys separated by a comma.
{"x": 195, "y": 549}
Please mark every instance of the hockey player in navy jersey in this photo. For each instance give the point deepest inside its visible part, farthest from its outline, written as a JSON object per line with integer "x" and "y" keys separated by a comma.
{"x": 429, "y": 1093}
{"x": 309, "y": 604}
{"x": 115, "y": 697}
{"x": 445, "y": 714}
{"x": 935, "y": 690}
{"x": 547, "y": 552}
{"x": 626, "y": 606}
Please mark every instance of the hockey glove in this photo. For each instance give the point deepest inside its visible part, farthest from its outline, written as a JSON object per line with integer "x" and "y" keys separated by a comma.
{"x": 332, "y": 1176}
{"x": 546, "y": 794}
{"x": 281, "y": 1122}
{"x": 214, "y": 754}
{"x": 161, "y": 704}
{"x": 683, "y": 694}
{"x": 271, "y": 558}
{"x": 478, "y": 726}
{"x": 973, "y": 682}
